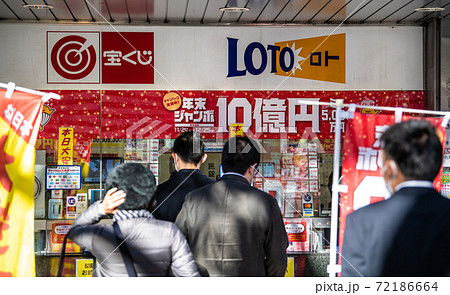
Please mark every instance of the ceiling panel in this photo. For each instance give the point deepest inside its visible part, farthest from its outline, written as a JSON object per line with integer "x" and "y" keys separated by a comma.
{"x": 310, "y": 10}
{"x": 415, "y": 16}
{"x": 256, "y": 8}
{"x": 138, "y": 10}
{"x": 333, "y": 8}
{"x": 272, "y": 10}
{"x": 118, "y": 10}
{"x": 406, "y": 8}
{"x": 376, "y": 15}
{"x": 366, "y": 9}
{"x": 290, "y": 10}
{"x": 60, "y": 10}
{"x": 81, "y": 10}
{"x": 176, "y": 10}
{"x": 20, "y": 12}
{"x": 213, "y": 13}
{"x": 95, "y": 8}
{"x": 198, "y": 12}
{"x": 195, "y": 10}
{"x": 349, "y": 10}
{"x": 6, "y": 12}
{"x": 157, "y": 10}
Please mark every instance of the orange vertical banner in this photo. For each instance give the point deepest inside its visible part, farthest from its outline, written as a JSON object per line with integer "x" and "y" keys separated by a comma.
{"x": 20, "y": 117}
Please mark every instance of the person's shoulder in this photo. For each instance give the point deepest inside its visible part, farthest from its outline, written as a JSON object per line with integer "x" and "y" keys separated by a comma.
{"x": 259, "y": 194}
{"x": 443, "y": 202}
{"x": 162, "y": 225}
{"x": 203, "y": 189}
{"x": 163, "y": 185}
{"x": 168, "y": 184}
{"x": 371, "y": 209}
{"x": 160, "y": 228}
{"x": 199, "y": 192}
{"x": 203, "y": 178}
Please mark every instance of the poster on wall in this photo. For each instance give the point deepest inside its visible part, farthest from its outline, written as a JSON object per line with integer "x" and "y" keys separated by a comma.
{"x": 445, "y": 184}
{"x": 56, "y": 231}
{"x": 361, "y": 167}
{"x": 63, "y": 177}
{"x": 298, "y": 232}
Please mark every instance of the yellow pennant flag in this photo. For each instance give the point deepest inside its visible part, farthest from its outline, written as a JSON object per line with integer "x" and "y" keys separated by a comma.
{"x": 20, "y": 117}
{"x": 236, "y": 130}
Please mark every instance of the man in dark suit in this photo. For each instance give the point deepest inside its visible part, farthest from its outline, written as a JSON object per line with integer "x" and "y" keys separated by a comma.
{"x": 188, "y": 154}
{"x": 233, "y": 228}
{"x": 409, "y": 233}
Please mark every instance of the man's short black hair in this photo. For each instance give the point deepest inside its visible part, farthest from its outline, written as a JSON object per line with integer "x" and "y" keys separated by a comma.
{"x": 189, "y": 147}
{"x": 239, "y": 153}
{"x": 137, "y": 181}
{"x": 415, "y": 146}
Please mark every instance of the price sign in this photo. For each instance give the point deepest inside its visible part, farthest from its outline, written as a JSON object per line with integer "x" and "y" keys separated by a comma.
{"x": 84, "y": 267}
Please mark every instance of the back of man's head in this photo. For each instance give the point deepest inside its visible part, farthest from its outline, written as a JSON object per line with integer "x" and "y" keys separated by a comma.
{"x": 136, "y": 181}
{"x": 189, "y": 147}
{"x": 415, "y": 146}
{"x": 239, "y": 153}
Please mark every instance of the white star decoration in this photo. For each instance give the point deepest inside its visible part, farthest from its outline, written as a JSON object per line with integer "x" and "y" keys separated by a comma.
{"x": 297, "y": 59}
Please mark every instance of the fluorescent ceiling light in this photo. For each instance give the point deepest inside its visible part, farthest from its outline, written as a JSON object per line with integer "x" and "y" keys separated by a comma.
{"x": 37, "y": 6}
{"x": 234, "y": 9}
{"x": 429, "y": 9}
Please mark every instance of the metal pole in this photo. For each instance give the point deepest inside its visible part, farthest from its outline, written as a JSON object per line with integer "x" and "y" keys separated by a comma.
{"x": 333, "y": 267}
{"x": 45, "y": 96}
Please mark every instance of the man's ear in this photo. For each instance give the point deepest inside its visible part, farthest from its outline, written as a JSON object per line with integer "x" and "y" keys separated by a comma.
{"x": 205, "y": 156}
{"x": 390, "y": 169}
{"x": 394, "y": 168}
{"x": 251, "y": 169}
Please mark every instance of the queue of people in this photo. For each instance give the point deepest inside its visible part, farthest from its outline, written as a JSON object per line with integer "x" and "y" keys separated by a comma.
{"x": 230, "y": 228}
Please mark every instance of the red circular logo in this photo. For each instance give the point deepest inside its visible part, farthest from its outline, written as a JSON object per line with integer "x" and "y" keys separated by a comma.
{"x": 72, "y": 58}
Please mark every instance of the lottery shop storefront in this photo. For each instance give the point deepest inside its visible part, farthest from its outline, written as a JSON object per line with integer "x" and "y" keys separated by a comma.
{"x": 141, "y": 125}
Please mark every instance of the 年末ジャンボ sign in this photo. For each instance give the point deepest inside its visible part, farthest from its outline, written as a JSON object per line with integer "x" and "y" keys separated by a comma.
{"x": 165, "y": 114}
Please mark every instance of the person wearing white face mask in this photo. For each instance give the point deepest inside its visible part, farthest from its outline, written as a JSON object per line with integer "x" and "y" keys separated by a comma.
{"x": 188, "y": 154}
{"x": 394, "y": 173}
{"x": 409, "y": 233}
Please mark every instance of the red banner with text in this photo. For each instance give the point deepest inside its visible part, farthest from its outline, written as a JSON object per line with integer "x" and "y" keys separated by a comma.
{"x": 361, "y": 166}
{"x": 165, "y": 114}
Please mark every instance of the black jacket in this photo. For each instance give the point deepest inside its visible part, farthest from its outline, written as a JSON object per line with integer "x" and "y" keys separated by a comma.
{"x": 234, "y": 229}
{"x": 405, "y": 235}
{"x": 170, "y": 194}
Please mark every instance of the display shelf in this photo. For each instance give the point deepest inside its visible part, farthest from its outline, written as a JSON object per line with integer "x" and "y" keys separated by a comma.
{"x": 291, "y": 253}
{"x": 78, "y": 254}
